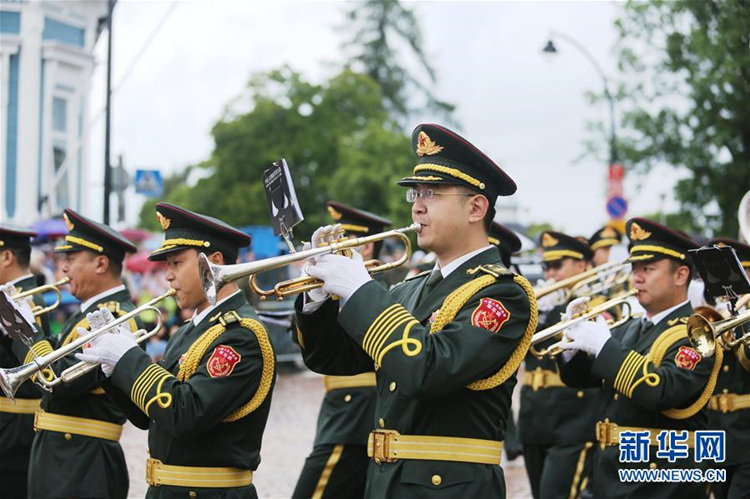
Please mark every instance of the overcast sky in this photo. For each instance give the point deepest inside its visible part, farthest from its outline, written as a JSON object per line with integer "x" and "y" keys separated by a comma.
{"x": 526, "y": 112}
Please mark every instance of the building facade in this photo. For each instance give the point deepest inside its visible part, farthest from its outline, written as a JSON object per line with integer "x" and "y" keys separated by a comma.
{"x": 46, "y": 58}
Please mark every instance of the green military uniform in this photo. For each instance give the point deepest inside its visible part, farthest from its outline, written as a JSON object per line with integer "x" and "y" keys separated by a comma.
{"x": 556, "y": 422}
{"x": 17, "y": 419}
{"x": 729, "y": 407}
{"x": 76, "y": 451}
{"x": 652, "y": 379}
{"x": 508, "y": 243}
{"x": 337, "y": 466}
{"x": 445, "y": 349}
{"x": 206, "y": 403}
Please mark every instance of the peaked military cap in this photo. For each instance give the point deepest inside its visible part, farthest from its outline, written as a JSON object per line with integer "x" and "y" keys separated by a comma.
{"x": 356, "y": 222}
{"x": 742, "y": 249}
{"x": 605, "y": 237}
{"x": 557, "y": 246}
{"x": 447, "y": 158}
{"x": 650, "y": 241}
{"x": 85, "y": 234}
{"x": 506, "y": 241}
{"x": 12, "y": 236}
{"x": 185, "y": 229}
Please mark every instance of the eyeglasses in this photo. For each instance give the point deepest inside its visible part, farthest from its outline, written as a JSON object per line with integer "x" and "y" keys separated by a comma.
{"x": 556, "y": 265}
{"x": 426, "y": 194}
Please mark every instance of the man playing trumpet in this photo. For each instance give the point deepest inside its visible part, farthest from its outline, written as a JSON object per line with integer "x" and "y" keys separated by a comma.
{"x": 17, "y": 419}
{"x": 445, "y": 344}
{"x": 76, "y": 452}
{"x": 652, "y": 378}
{"x": 205, "y": 404}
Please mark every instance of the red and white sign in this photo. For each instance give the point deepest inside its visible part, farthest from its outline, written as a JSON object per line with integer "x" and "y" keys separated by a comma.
{"x": 222, "y": 361}
{"x": 490, "y": 315}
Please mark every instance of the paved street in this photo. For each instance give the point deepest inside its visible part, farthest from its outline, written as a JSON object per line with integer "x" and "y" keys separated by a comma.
{"x": 287, "y": 441}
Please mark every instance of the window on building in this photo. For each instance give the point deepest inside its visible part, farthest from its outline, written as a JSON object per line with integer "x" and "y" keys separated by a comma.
{"x": 59, "y": 114}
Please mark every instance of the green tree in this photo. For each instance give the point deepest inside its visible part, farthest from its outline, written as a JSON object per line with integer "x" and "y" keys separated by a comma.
{"x": 380, "y": 28}
{"x": 686, "y": 101}
{"x": 336, "y": 137}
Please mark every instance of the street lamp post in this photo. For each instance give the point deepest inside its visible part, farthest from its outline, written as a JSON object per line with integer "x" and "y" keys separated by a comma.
{"x": 551, "y": 49}
{"x": 616, "y": 204}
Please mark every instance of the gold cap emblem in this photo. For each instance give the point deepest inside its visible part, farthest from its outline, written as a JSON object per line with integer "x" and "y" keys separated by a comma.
{"x": 609, "y": 232}
{"x": 336, "y": 215}
{"x": 68, "y": 223}
{"x": 637, "y": 233}
{"x": 721, "y": 244}
{"x": 163, "y": 221}
{"x": 549, "y": 241}
{"x": 425, "y": 145}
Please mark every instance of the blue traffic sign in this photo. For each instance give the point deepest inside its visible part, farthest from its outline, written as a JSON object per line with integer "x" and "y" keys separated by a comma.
{"x": 617, "y": 206}
{"x": 149, "y": 183}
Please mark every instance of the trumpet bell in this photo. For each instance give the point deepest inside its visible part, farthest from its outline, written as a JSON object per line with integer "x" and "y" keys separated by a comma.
{"x": 701, "y": 335}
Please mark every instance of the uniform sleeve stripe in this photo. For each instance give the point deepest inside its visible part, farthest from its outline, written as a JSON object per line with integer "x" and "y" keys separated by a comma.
{"x": 623, "y": 367}
{"x": 629, "y": 373}
{"x": 379, "y": 346}
{"x": 383, "y": 332}
{"x": 376, "y": 324}
{"x": 136, "y": 392}
{"x": 404, "y": 346}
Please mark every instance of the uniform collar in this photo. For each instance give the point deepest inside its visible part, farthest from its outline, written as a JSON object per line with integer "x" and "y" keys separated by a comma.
{"x": 656, "y": 319}
{"x": 22, "y": 278}
{"x": 198, "y": 317}
{"x": 446, "y": 271}
{"x": 100, "y": 297}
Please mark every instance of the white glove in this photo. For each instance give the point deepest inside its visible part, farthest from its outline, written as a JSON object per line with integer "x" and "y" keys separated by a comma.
{"x": 322, "y": 235}
{"x": 22, "y": 307}
{"x": 588, "y": 336}
{"x": 551, "y": 300}
{"x": 342, "y": 276}
{"x": 575, "y": 307}
{"x": 108, "y": 348}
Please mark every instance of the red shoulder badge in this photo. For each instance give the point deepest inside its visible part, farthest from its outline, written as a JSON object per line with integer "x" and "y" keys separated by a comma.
{"x": 490, "y": 315}
{"x": 222, "y": 361}
{"x": 687, "y": 358}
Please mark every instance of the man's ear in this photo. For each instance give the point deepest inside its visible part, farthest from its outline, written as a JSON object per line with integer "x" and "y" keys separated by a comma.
{"x": 681, "y": 275}
{"x": 101, "y": 264}
{"x": 478, "y": 208}
{"x": 217, "y": 258}
{"x": 6, "y": 258}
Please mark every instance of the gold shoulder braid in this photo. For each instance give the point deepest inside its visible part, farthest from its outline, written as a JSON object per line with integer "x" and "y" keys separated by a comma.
{"x": 657, "y": 352}
{"x": 198, "y": 349}
{"x": 461, "y": 296}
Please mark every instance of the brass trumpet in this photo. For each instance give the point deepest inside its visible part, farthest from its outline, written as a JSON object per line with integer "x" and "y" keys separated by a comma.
{"x": 214, "y": 277}
{"x": 11, "y": 379}
{"x": 591, "y": 282}
{"x": 39, "y": 310}
{"x": 705, "y": 335}
{"x": 558, "y": 330}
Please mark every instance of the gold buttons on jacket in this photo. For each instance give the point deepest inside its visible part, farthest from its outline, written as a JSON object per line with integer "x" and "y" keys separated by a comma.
{"x": 392, "y": 386}
{"x": 68, "y": 436}
{"x": 580, "y": 394}
{"x": 193, "y": 494}
{"x": 617, "y": 395}
{"x": 725, "y": 369}
{"x": 437, "y": 480}
{"x": 652, "y": 466}
{"x": 381, "y": 422}
{"x": 348, "y": 398}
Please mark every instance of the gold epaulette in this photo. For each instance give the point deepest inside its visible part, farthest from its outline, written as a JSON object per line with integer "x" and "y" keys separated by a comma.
{"x": 112, "y": 306}
{"x": 492, "y": 269}
{"x": 198, "y": 349}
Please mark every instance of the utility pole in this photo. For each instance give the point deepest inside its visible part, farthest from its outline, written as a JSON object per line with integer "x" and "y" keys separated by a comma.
{"x": 108, "y": 117}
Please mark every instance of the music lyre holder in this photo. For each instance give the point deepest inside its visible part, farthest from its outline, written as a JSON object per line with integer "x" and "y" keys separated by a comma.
{"x": 721, "y": 272}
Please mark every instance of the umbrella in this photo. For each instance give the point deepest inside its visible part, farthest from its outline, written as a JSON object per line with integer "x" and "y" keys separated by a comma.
{"x": 139, "y": 263}
{"x": 50, "y": 229}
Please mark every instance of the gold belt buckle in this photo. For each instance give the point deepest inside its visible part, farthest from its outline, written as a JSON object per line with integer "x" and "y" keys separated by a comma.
{"x": 537, "y": 379}
{"x": 381, "y": 443}
{"x": 150, "y": 465}
{"x": 604, "y": 433}
{"x": 725, "y": 402}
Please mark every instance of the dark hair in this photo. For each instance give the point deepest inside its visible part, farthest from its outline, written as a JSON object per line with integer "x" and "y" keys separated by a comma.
{"x": 22, "y": 255}
{"x": 228, "y": 260}
{"x": 115, "y": 267}
{"x": 377, "y": 247}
